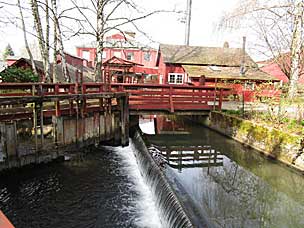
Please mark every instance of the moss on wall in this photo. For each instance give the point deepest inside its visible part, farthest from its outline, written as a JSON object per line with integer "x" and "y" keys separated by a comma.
{"x": 272, "y": 142}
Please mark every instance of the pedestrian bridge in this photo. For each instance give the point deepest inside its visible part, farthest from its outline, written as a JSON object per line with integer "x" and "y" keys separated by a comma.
{"x": 66, "y": 98}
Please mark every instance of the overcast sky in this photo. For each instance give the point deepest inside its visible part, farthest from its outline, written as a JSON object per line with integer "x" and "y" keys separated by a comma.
{"x": 162, "y": 28}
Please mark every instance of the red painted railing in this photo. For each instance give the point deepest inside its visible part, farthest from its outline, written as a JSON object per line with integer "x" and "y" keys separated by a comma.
{"x": 166, "y": 97}
{"x": 141, "y": 96}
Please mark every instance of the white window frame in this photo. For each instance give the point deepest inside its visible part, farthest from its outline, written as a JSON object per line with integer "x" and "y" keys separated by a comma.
{"x": 175, "y": 78}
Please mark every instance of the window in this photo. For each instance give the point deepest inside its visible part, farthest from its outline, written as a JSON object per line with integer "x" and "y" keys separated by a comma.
{"x": 86, "y": 55}
{"x": 147, "y": 56}
{"x": 175, "y": 78}
{"x": 249, "y": 85}
{"x": 104, "y": 55}
{"x": 130, "y": 55}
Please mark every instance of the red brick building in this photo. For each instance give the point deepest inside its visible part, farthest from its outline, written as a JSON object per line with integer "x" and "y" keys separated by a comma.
{"x": 121, "y": 46}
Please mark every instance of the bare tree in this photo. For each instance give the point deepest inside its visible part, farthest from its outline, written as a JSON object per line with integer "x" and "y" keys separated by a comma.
{"x": 25, "y": 39}
{"x": 279, "y": 25}
{"x": 296, "y": 45}
{"x": 42, "y": 15}
{"x": 107, "y": 15}
{"x": 58, "y": 44}
{"x": 43, "y": 44}
{"x": 33, "y": 46}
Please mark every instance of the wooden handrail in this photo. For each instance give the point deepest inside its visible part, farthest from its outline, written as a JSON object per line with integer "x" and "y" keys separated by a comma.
{"x": 141, "y": 96}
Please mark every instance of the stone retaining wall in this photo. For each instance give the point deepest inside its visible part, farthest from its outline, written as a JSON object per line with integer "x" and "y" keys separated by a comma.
{"x": 285, "y": 147}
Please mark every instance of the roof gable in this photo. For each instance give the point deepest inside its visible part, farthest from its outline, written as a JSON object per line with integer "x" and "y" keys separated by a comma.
{"x": 115, "y": 61}
{"x": 196, "y": 55}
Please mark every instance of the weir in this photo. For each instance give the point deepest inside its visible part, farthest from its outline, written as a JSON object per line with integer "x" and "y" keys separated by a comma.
{"x": 172, "y": 212}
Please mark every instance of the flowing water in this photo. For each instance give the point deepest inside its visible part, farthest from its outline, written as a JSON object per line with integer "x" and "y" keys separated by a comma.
{"x": 102, "y": 189}
{"x": 226, "y": 184}
{"x": 216, "y": 182}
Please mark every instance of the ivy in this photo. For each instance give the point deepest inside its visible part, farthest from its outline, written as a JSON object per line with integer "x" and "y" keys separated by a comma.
{"x": 14, "y": 74}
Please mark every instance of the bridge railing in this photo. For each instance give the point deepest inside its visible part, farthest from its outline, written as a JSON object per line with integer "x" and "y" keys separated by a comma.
{"x": 171, "y": 97}
{"x": 36, "y": 89}
{"x": 18, "y": 100}
{"x": 141, "y": 96}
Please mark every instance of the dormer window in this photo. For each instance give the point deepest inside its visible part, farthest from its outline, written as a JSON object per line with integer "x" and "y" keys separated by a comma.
{"x": 175, "y": 78}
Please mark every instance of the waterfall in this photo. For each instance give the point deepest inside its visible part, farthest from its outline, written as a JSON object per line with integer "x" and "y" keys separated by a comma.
{"x": 171, "y": 211}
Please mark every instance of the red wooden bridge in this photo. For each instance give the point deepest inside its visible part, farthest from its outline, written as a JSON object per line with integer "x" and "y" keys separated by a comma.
{"x": 62, "y": 98}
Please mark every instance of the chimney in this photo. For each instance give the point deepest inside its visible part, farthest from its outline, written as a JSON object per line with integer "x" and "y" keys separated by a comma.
{"x": 242, "y": 68}
{"x": 226, "y": 44}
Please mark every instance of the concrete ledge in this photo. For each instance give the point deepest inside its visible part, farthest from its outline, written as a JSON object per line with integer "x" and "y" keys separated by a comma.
{"x": 279, "y": 145}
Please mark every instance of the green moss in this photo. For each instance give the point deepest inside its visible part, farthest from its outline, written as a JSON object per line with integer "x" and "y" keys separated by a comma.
{"x": 274, "y": 141}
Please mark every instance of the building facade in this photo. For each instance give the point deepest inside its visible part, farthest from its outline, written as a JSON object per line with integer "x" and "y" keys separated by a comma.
{"x": 122, "y": 46}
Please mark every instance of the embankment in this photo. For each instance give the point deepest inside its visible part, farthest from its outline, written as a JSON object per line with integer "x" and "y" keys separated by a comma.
{"x": 284, "y": 147}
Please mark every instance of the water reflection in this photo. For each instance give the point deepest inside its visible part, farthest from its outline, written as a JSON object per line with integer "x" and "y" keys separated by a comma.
{"x": 180, "y": 157}
{"x": 241, "y": 189}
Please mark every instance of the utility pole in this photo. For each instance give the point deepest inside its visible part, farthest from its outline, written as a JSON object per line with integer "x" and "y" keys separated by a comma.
{"x": 188, "y": 22}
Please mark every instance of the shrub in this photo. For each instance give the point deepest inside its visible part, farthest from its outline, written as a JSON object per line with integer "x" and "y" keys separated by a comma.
{"x": 14, "y": 74}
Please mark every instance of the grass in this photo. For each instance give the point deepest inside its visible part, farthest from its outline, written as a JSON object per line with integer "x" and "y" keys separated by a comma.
{"x": 280, "y": 122}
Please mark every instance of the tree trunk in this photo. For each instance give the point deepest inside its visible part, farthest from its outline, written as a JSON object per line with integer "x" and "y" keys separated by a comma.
{"x": 47, "y": 42}
{"x": 60, "y": 43}
{"x": 295, "y": 50}
{"x": 99, "y": 39}
{"x": 25, "y": 40}
{"x": 40, "y": 36}
{"x": 55, "y": 54}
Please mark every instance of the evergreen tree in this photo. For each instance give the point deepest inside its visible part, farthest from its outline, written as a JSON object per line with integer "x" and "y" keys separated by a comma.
{"x": 8, "y": 51}
{"x": 14, "y": 74}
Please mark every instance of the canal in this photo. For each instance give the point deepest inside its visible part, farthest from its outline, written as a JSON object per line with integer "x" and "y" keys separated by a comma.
{"x": 219, "y": 182}
{"x": 224, "y": 183}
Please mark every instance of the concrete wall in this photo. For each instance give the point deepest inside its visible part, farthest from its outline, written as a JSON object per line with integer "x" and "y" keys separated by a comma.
{"x": 276, "y": 144}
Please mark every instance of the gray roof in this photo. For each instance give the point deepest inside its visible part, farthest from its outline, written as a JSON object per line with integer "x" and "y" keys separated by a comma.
{"x": 196, "y": 55}
{"x": 228, "y": 73}
{"x": 88, "y": 73}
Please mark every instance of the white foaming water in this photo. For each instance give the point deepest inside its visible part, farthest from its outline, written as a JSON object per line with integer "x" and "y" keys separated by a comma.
{"x": 149, "y": 214}
{"x": 147, "y": 126}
